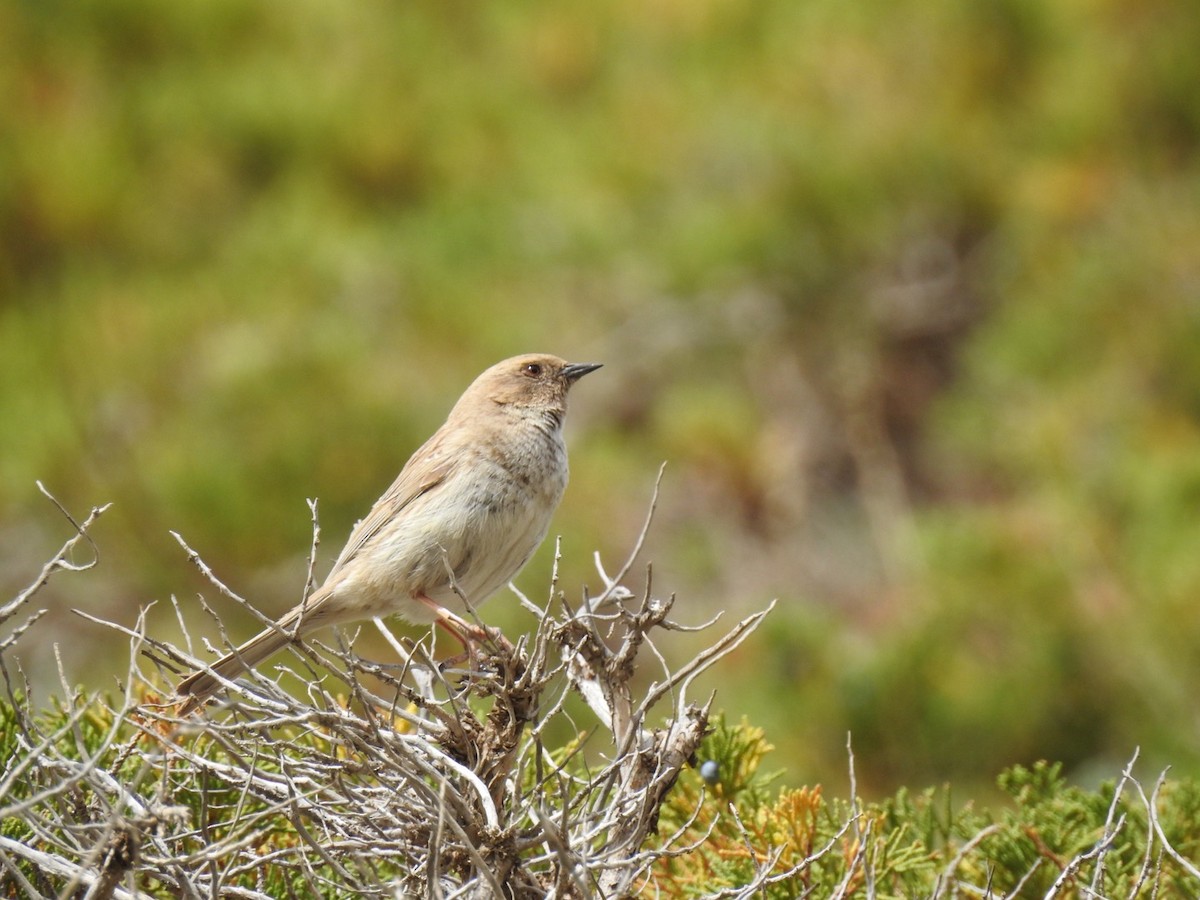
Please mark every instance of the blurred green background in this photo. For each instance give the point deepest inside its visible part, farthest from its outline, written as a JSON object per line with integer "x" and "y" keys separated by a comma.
{"x": 907, "y": 293}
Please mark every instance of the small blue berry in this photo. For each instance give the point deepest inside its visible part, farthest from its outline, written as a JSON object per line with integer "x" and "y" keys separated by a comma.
{"x": 710, "y": 771}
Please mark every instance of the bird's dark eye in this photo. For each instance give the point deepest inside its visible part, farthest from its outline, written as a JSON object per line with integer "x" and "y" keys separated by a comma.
{"x": 533, "y": 369}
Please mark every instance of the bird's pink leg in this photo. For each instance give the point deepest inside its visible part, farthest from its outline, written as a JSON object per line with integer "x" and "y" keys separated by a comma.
{"x": 466, "y": 633}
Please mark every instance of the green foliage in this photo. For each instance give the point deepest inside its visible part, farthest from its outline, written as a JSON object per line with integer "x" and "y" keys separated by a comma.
{"x": 906, "y": 293}
{"x": 1052, "y": 838}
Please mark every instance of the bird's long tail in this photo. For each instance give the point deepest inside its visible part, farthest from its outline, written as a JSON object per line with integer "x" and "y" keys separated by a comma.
{"x": 202, "y": 684}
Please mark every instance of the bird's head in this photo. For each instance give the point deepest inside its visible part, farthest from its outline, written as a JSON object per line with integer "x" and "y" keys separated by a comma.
{"x": 534, "y": 381}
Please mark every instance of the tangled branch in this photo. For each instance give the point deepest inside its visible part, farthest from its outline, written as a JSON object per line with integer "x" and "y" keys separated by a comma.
{"x": 549, "y": 768}
{"x": 386, "y": 778}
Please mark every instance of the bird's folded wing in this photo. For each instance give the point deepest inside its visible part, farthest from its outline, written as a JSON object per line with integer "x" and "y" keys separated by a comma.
{"x": 429, "y": 467}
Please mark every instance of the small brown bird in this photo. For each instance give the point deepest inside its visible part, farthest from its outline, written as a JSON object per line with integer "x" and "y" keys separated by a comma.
{"x": 475, "y": 500}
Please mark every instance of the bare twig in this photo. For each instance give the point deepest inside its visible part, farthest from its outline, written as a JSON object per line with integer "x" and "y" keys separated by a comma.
{"x": 407, "y": 771}
{"x": 60, "y": 559}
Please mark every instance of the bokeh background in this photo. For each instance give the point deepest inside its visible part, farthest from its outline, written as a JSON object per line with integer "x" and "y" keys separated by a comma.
{"x": 906, "y": 293}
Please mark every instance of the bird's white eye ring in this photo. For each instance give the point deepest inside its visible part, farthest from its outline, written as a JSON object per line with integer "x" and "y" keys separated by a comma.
{"x": 533, "y": 369}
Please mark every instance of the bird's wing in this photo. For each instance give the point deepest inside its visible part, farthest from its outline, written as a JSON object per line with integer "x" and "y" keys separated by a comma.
{"x": 431, "y": 465}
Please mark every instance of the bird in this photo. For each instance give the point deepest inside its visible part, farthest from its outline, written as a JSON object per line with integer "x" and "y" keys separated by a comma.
{"x": 462, "y": 518}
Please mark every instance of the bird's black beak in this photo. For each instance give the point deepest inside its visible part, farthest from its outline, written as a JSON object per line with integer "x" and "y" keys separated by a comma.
{"x": 575, "y": 371}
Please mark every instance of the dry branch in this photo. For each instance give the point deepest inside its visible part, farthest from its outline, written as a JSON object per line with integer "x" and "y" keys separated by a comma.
{"x": 391, "y": 780}
{"x": 377, "y": 779}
